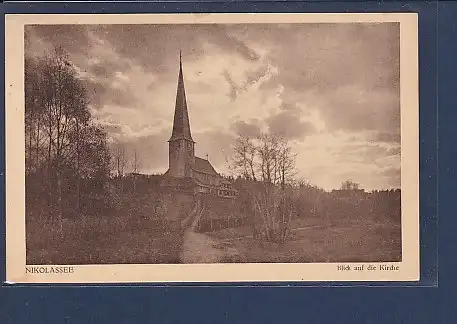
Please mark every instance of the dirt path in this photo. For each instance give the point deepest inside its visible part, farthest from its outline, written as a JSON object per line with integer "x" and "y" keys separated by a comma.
{"x": 198, "y": 247}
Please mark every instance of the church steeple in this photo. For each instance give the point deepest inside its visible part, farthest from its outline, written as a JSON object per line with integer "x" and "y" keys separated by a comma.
{"x": 181, "y": 151}
{"x": 181, "y": 127}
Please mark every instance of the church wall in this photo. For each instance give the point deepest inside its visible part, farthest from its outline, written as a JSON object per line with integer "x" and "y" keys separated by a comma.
{"x": 173, "y": 159}
{"x": 189, "y": 157}
{"x": 181, "y": 156}
{"x": 206, "y": 178}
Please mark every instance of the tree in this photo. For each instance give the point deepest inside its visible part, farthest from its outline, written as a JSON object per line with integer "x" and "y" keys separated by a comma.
{"x": 64, "y": 103}
{"x": 245, "y": 157}
{"x": 120, "y": 160}
{"x": 349, "y": 185}
{"x": 269, "y": 159}
{"x": 64, "y": 147}
{"x": 136, "y": 165}
{"x": 267, "y": 150}
{"x": 136, "y": 162}
{"x": 119, "y": 163}
{"x": 285, "y": 163}
{"x": 33, "y": 113}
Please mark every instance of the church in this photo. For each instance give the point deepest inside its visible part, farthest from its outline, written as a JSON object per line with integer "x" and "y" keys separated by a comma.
{"x": 184, "y": 168}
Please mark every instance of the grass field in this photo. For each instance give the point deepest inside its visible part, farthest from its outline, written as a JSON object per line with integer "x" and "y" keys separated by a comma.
{"x": 141, "y": 243}
{"x": 135, "y": 235}
{"x": 132, "y": 234}
{"x": 312, "y": 240}
{"x": 316, "y": 241}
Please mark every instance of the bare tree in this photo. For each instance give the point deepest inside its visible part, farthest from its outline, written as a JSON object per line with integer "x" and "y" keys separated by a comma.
{"x": 276, "y": 162}
{"x": 136, "y": 162}
{"x": 136, "y": 165}
{"x": 245, "y": 157}
{"x": 268, "y": 158}
{"x": 349, "y": 185}
{"x": 120, "y": 160}
{"x": 267, "y": 150}
{"x": 119, "y": 163}
{"x": 285, "y": 165}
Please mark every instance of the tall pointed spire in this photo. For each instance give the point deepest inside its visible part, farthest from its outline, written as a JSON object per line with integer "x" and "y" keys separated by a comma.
{"x": 181, "y": 127}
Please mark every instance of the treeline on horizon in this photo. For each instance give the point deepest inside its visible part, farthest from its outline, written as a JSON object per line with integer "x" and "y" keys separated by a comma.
{"x": 342, "y": 187}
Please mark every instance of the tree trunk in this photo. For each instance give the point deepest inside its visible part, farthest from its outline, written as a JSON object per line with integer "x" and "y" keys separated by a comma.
{"x": 49, "y": 178}
{"x": 78, "y": 171}
{"x": 59, "y": 200}
{"x": 253, "y": 172}
{"x": 30, "y": 159}
{"x": 37, "y": 147}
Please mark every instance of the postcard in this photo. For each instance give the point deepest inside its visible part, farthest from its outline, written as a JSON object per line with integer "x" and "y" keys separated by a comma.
{"x": 150, "y": 148}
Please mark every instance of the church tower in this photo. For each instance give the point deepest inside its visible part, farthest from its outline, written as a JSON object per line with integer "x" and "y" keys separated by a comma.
{"x": 181, "y": 153}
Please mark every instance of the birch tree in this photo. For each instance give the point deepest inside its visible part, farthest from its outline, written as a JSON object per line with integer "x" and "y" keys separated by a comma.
{"x": 64, "y": 146}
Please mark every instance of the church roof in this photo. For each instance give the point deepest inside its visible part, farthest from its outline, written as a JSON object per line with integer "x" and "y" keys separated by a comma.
{"x": 203, "y": 166}
{"x": 181, "y": 128}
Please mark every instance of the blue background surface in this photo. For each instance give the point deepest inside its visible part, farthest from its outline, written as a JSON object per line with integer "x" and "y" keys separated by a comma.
{"x": 438, "y": 147}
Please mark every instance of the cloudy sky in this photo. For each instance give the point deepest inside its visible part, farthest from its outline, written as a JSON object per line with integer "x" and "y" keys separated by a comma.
{"x": 331, "y": 89}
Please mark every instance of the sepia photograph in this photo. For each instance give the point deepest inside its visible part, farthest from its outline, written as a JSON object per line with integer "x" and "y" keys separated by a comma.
{"x": 217, "y": 143}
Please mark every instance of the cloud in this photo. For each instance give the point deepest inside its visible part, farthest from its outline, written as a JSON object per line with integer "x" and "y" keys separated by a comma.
{"x": 288, "y": 124}
{"x": 152, "y": 152}
{"x": 353, "y": 107}
{"x": 243, "y": 128}
{"x": 217, "y": 145}
{"x": 349, "y": 71}
{"x": 72, "y": 38}
{"x": 395, "y": 151}
{"x": 233, "y": 87}
{"x": 391, "y": 173}
{"x": 332, "y": 89}
{"x": 387, "y": 137}
{"x": 392, "y": 177}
